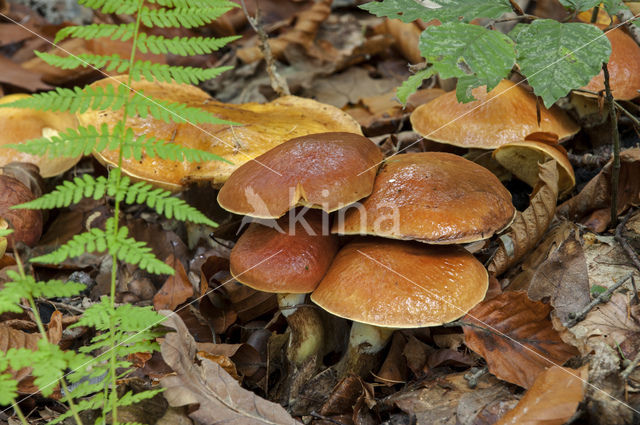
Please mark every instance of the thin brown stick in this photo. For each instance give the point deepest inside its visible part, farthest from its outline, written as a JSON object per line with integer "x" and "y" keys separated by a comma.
{"x": 615, "y": 172}
{"x": 602, "y": 298}
{"x": 628, "y": 249}
{"x": 278, "y": 84}
{"x": 632, "y": 366}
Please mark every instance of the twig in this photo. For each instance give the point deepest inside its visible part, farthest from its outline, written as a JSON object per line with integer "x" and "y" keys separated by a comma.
{"x": 594, "y": 14}
{"x": 472, "y": 377}
{"x": 628, "y": 249}
{"x": 316, "y": 415}
{"x": 603, "y": 297}
{"x": 588, "y": 160}
{"x": 625, "y": 15}
{"x": 615, "y": 172}
{"x": 278, "y": 84}
{"x": 633, "y": 118}
{"x": 62, "y": 306}
{"x": 629, "y": 370}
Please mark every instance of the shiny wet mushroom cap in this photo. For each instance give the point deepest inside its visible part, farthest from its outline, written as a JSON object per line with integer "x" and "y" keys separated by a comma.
{"x": 431, "y": 197}
{"x": 400, "y": 284}
{"x": 326, "y": 171}
{"x": 506, "y": 114}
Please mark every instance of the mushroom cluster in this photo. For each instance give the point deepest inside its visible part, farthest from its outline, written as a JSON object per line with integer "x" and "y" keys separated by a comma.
{"x": 396, "y": 273}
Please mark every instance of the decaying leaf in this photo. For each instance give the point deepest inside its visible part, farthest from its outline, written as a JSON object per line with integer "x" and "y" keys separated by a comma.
{"x": 563, "y": 278}
{"x": 529, "y": 227}
{"x": 15, "y": 75}
{"x": 176, "y": 289}
{"x": 406, "y": 37}
{"x": 220, "y": 398}
{"x": 613, "y": 322}
{"x": 591, "y": 205}
{"x": 263, "y": 126}
{"x": 552, "y": 399}
{"x": 515, "y": 336}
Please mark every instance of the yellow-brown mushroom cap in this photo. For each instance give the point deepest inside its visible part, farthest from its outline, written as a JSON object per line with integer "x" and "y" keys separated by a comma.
{"x": 432, "y": 197}
{"x": 262, "y": 127}
{"x": 505, "y": 114}
{"x": 522, "y": 159}
{"x": 325, "y": 171}
{"x": 401, "y": 284}
{"x": 276, "y": 260}
{"x": 19, "y": 125}
{"x": 623, "y": 67}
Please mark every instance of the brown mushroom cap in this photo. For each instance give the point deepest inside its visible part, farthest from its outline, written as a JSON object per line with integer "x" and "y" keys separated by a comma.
{"x": 522, "y": 159}
{"x": 21, "y": 124}
{"x": 401, "y": 284}
{"x": 271, "y": 261}
{"x": 326, "y": 171}
{"x": 506, "y": 114}
{"x": 432, "y": 197}
{"x": 623, "y": 66}
{"x": 263, "y": 126}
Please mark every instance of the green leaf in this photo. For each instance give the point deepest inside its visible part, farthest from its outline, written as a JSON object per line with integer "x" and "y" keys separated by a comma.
{"x": 444, "y": 10}
{"x": 580, "y": 5}
{"x": 475, "y": 55}
{"x": 559, "y": 57}
{"x": 8, "y": 389}
{"x": 411, "y": 84}
{"x": 5, "y": 232}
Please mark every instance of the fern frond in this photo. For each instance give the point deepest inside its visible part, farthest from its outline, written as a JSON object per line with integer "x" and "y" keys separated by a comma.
{"x": 120, "y": 7}
{"x": 141, "y": 69}
{"x": 152, "y": 147}
{"x": 185, "y": 17}
{"x": 47, "y": 364}
{"x": 119, "y": 245}
{"x": 8, "y": 389}
{"x": 121, "y": 32}
{"x": 79, "y": 100}
{"x": 182, "y": 3}
{"x": 130, "y": 398}
{"x": 183, "y": 46}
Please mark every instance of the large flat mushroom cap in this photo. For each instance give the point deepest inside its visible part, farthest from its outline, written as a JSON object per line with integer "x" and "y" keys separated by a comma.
{"x": 262, "y": 127}
{"x": 505, "y": 114}
{"x": 432, "y": 197}
{"x": 623, "y": 66}
{"x": 269, "y": 260}
{"x": 325, "y": 171}
{"x": 400, "y": 284}
{"x": 19, "y": 125}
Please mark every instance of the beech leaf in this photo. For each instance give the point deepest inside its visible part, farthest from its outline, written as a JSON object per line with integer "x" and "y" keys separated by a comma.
{"x": 220, "y": 396}
{"x": 552, "y": 400}
{"x": 176, "y": 289}
{"x": 515, "y": 336}
{"x": 529, "y": 227}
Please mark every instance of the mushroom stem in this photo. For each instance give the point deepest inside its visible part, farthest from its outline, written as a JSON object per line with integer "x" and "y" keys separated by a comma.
{"x": 305, "y": 322}
{"x": 365, "y": 344}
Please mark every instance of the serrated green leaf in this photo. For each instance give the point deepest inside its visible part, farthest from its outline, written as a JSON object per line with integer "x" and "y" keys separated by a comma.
{"x": 559, "y": 57}
{"x": 580, "y": 5}
{"x": 411, "y": 84}
{"x": 475, "y": 55}
{"x": 443, "y": 10}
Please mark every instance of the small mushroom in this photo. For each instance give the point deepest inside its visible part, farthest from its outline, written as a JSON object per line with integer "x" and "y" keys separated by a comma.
{"x": 431, "y": 197}
{"x": 326, "y": 171}
{"x": 506, "y": 114}
{"x": 522, "y": 159}
{"x": 18, "y": 125}
{"x": 623, "y": 67}
{"x": 289, "y": 260}
{"x": 262, "y": 127}
{"x": 384, "y": 285}
{"x": 26, "y": 224}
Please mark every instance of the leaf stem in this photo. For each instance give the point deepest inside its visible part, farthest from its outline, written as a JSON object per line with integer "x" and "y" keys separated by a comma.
{"x": 615, "y": 172}
{"x": 16, "y": 408}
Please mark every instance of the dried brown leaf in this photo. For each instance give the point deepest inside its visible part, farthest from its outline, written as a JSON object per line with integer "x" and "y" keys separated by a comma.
{"x": 515, "y": 336}
{"x": 406, "y": 36}
{"x": 563, "y": 278}
{"x": 529, "y": 227}
{"x": 176, "y": 289}
{"x": 15, "y": 75}
{"x": 221, "y": 399}
{"x": 552, "y": 399}
{"x": 591, "y": 205}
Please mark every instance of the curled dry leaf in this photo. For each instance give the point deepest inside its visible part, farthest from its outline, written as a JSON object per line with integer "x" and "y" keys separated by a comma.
{"x": 405, "y": 36}
{"x": 221, "y": 399}
{"x": 263, "y": 126}
{"x": 303, "y": 33}
{"x": 592, "y": 204}
{"x": 515, "y": 336}
{"x": 176, "y": 289}
{"x": 26, "y": 224}
{"x": 528, "y": 228}
{"x": 552, "y": 399}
